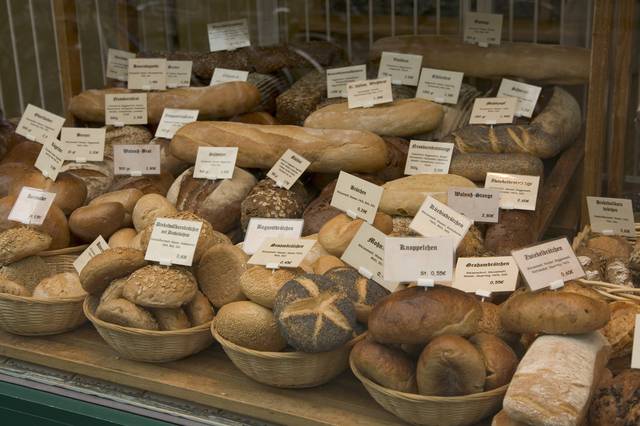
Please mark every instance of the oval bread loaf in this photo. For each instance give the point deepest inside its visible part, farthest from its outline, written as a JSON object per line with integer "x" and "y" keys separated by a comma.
{"x": 499, "y": 359}
{"x": 109, "y": 265}
{"x": 475, "y": 165}
{"x": 122, "y": 238}
{"x": 249, "y": 325}
{"x": 388, "y": 367}
{"x": 89, "y": 222}
{"x": 337, "y": 233}
{"x": 126, "y": 314}
{"x": 150, "y": 207}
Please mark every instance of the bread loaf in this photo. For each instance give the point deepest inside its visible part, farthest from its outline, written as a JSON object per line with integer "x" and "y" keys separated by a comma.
{"x": 363, "y": 292}
{"x": 326, "y": 263}
{"x": 125, "y": 135}
{"x": 249, "y": 325}
{"x": 218, "y": 274}
{"x": 514, "y": 230}
{"x": 150, "y": 207}
{"x": 388, "y": 367}
{"x": 338, "y": 232}
{"x": 113, "y": 291}
{"x": 319, "y": 211}
{"x": 127, "y": 197}
{"x": 89, "y": 222}
{"x": 472, "y": 245}
{"x": 295, "y": 105}
{"x": 13, "y": 288}
{"x": 261, "y": 146}
{"x": 27, "y": 272}
{"x": 267, "y": 200}
{"x": 62, "y": 285}
{"x": 490, "y": 323}
{"x": 171, "y": 319}
{"x": 610, "y": 247}
{"x": 199, "y": 310}
{"x": 168, "y": 162}
{"x": 616, "y": 401}
{"x": 155, "y": 286}
{"x": 475, "y": 165}
{"x": 261, "y": 285}
{"x": 499, "y": 359}
{"x": 24, "y": 151}
{"x": 109, "y": 265}
{"x": 71, "y": 192}
{"x": 126, "y": 314}
{"x": 263, "y": 118}
{"x": 620, "y": 328}
{"x": 18, "y": 243}
{"x": 97, "y": 176}
{"x": 122, "y": 238}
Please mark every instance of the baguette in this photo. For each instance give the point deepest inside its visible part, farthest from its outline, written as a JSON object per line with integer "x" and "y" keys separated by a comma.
{"x": 219, "y": 101}
{"x": 260, "y": 147}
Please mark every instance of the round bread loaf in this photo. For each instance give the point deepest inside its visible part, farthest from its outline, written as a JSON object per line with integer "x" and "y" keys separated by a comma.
{"x": 148, "y": 208}
{"x": 337, "y": 233}
{"x": 126, "y": 135}
{"x": 127, "y": 197}
{"x": 109, "y": 265}
{"x": 24, "y": 152}
{"x": 267, "y": 200}
{"x": 313, "y": 314}
{"x": 553, "y": 312}
{"x": 615, "y": 402}
{"x": 218, "y": 274}
{"x": 18, "y": 243}
{"x": 610, "y": 247}
{"x": 97, "y": 177}
{"x": 388, "y": 367}
{"x": 416, "y": 316}
{"x": 449, "y": 366}
{"x": 62, "y": 285}
{"x": 28, "y": 271}
{"x": 261, "y": 285}
{"x": 490, "y": 323}
{"x": 114, "y": 290}
{"x": 11, "y": 287}
{"x": 325, "y": 263}
{"x": 122, "y": 238}
{"x": 155, "y": 286}
{"x": 199, "y": 310}
{"x": 89, "y": 222}
{"x": 126, "y": 314}
{"x": 499, "y": 359}
{"x": 620, "y": 328}
{"x": 249, "y": 325}
{"x": 71, "y": 192}
{"x": 12, "y": 172}
{"x": 171, "y": 319}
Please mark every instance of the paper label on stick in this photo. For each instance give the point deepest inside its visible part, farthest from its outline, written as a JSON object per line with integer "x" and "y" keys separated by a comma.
{"x": 83, "y": 143}
{"x": 147, "y": 74}
{"x": 179, "y": 73}
{"x": 411, "y": 259}
{"x": 288, "y": 169}
{"x": 125, "y": 108}
{"x": 543, "y": 264}
{"x": 400, "y": 68}
{"x": 31, "y": 206}
{"x": 260, "y": 229}
{"x": 526, "y": 95}
{"x": 39, "y": 125}
{"x": 228, "y": 35}
{"x": 136, "y": 159}
{"x": 215, "y": 162}
{"x": 494, "y": 274}
{"x": 173, "y": 119}
{"x": 439, "y": 85}
{"x": 437, "y": 219}
{"x": 338, "y": 78}
{"x": 173, "y": 241}
{"x": 635, "y": 351}
{"x": 366, "y": 251}
{"x": 428, "y": 157}
{"x": 368, "y": 93}
{"x": 50, "y": 159}
{"x": 285, "y": 253}
{"x": 516, "y": 191}
{"x": 478, "y": 204}
{"x": 356, "y": 196}
{"x": 95, "y": 248}
{"x": 491, "y": 111}
{"x": 118, "y": 64}
{"x": 482, "y": 28}
{"x": 223, "y": 75}
{"x": 611, "y": 214}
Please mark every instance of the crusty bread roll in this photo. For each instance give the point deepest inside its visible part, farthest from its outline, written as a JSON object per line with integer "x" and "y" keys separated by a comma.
{"x": 113, "y": 291}
{"x": 218, "y": 274}
{"x": 219, "y": 101}
{"x": 155, "y": 286}
{"x": 71, "y": 192}
{"x": 18, "y": 243}
{"x": 261, "y": 285}
{"x": 199, "y": 310}
{"x": 325, "y": 263}
{"x": 388, "y": 367}
{"x": 62, "y": 285}
{"x": 499, "y": 359}
{"x": 8, "y": 286}
{"x": 620, "y": 328}
{"x": 126, "y": 314}
{"x": 338, "y": 232}
{"x": 27, "y": 272}
{"x": 122, "y": 238}
{"x": 109, "y": 265}
{"x": 150, "y": 207}
{"x": 260, "y": 147}
{"x": 89, "y": 222}
{"x": 127, "y": 197}
{"x": 171, "y": 318}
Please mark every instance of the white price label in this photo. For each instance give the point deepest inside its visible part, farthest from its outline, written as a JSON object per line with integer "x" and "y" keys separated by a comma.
{"x": 179, "y": 73}
{"x": 228, "y": 35}
{"x": 39, "y": 125}
{"x": 492, "y": 274}
{"x": 526, "y": 95}
{"x": 413, "y": 259}
{"x": 31, "y": 206}
{"x": 147, "y": 74}
{"x": 365, "y": 252}
{"x": 439, "y": 85}
{"x": 490, "y": 111}
{"x": 125, "y": 108}
{"x": 356, "y": 197}
{"x": 611, "y": 215}
{"x": 173, "y": 119}
{"x": 516, "y": 191}
{"x": 118, "y": 64}
{"x": 260, "y": 229}
{"x": 215, "y": 162}
{"x": 635, "y": 351}
{"x": 95, "y": 248}
{"x": 482, "y": 29}
{"x": 50, "y": 159}
{"x": 223, "y": 75}
{"x": 282, "y": 252}
{"x": 478, "y": 204}
{"x": 367, "y": 93}
{"x": 435, "y": 218}
{"x": 83, "y": 143}
{"x": 288, "y": 169}
{"x": 338, "y": 78}
{"x": 428, "y": 157}
{"x": 173, "y": 241}
{"x": 136, "y": 159}
{"x": 400, "y": 68}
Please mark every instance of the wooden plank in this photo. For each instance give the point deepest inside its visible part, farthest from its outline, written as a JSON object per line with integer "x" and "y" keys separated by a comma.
{"x": 207, "y": 378}
{"x": 622, "y": 47}
{"x": 64, "y": 12}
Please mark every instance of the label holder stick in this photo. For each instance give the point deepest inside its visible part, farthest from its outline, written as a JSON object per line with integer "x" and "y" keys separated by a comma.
{"x": 426, "y": 282}
{"x": 365, "y": 272}
{"x": 353, "y": 215}
{"x": 272, "y": 266}
{"x": 483, "y": 294}
{"x": 165, "y": 262}
{"x": 557, "y": 284}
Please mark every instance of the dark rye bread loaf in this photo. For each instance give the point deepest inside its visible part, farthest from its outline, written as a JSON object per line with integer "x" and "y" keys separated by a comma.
{"x": 475, "y": 165}
{"x": 268, "y": 200}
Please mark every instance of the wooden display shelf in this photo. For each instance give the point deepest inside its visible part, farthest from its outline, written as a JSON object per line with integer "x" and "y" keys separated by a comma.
{"x": 208, "y": 378}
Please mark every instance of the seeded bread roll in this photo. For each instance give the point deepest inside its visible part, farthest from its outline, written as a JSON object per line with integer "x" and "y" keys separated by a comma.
{"x": 27, "y": 272}
{"x": 109, "y": 265}
{"x": 199, "y": 310}
{"x": 18, "y": 243}
{"x": 388, "y": 367}
{"x": 338, "y": 232}
{"x": 364, "y": 293}
{"x": 89, "y": 222}
{"x": 171, "y": 319}
{"x": 126, "y": 314}
{"x": 156, "y": 286}
{"x": 150, "y": 207}
{"x": 499, "y": 359}
{"x": 218, "y": 274}
{"x": 267, "y": 200}
{"x": 261, "y": 285}
{"x": 11, "y": 287}
{"x": 62, "y": 285}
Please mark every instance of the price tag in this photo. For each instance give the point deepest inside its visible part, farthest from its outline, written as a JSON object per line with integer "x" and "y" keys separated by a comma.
{"x": 39, "y": 125}
{"x": 223, "y": 75}
{"x": 95, "y": 248}
{"x": 282, "y": 252}
{"x": 260, "y": 229}
{"x": 492, "y": 111}
{"x": 338, "y": 78}
{"x": 288, "y": 169}
{"x": 31, "y": 206}
{"x": 136, "y": 159}
{"x": 478, "y": 204}
{"x": 611, "y": 214}
{"x": 428, "y": 157}
{"x": 179, "y": 73}
{"x": 635, "y": 351}
{"x": 50, "y": 159}
{"x": 435, "y": 218}
{"x": 366, "y": 252}
{"x": 516, "y": 191}
{"x": 121, "y": 109}
{"x": 118, "y": 64}
{"x": 412, "y": 259}
{"x": 356, "y": 197}
{"x": 548, "y": 262}
{"x": 228, "y": 35}
{"x": 482, "y": 29}
{"x": 400, "y": 68}
{"x": 173, "y": 241}
{"x": 494, "y": 274}
{"x": 83, "y": 143}
{"x": 173, "y": 119}
{"x": 526, "y": 95}
{"x": 439, "y": 85}
{"x": 368, "y": 93}
{"x": 215, "y": 162}
{"x": 147, "y": 74}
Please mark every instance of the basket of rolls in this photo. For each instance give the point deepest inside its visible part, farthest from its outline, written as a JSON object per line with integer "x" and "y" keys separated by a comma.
{"x": 40, "y": 292}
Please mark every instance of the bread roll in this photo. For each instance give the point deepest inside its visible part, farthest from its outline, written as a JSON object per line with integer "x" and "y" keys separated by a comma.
{"x": 610, "y": 247}
{"x": 616, "y": 401}
{"x": 472, "y": 244}
{"x": 156, "y": 286}
{"x": 490, "y": 323}
{"x": 388, "y": 367}
{"x": 249, "y": 325}
{"x": 338, "y": 232}
{"x": 171, "y": 319}
{"x": 218, "y": 274}
{"x": 62, "y": 285}
{"x": 450, "y": 366}
{"x": 150, "y": 207}
{"x": 260, "y": 285}
{"x": 261, "y": 146}
{"x": 27, "y": 272}
{"x": 71, "y": 192}
{"x": 126, "y": 314}
{"x": 127, "y": 197}
{"x": 499, "y": 359}
{"x": 199, "y": 310}
{"x": 325, "y": 263}
{"x": 363, "y": 292}
{"x": 11, "y": 287}
{"x": 620, "y": 328}
{"x": 267, "y": 200}
{"x": 89, "y": 222}
{"x": 113, "y": 291}
{"x": 18, "y": 243}
{"x": 122, "y": 238}
{"x": 109, "y": 265}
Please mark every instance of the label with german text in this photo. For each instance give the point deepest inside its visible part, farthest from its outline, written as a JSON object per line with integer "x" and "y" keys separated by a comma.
{"x": 118, "y": 64}
{"x": 412, "y": 259}
{"x": 635, "y": 351}
{"x": 39, "y": 125}
{"x": 125, "y": 108}
{"x": 223, "y": 75}
{"x": 526, "y": 95}
{"x": 213, "y": 162}
{"x": 437, "y": 219}
{"x": 356, "y": 197}
{"x": 31, "y": 206}
{"x": 516, "y": 191}
{"x": 482, "y": 29}
{"x": 611, "y": 215}
{"x": 50, "y": 159}
{"x": 228, "y": 35}
{"x": 401, "y": 68}
{"x": 338, "y": 78}
{"x": 288, "y": 169}
{"x": 493, "y": 274}
{"x": 365, "y": 252}
{"x": 83, "y": 143}
{"x": 439, "y": 85}
{"x": 95, "y": 248}
{"x": 259, "y": 229}
{"x": 478, "y": 204}
{"x": 173, "y": 119}
{"x": 136, "y": 159}
{"x": 173, "y": 241}
{"x": 367, "y": 93}
{"x": 147, "y": 74}
{"x": 490, "y": 111}
{"x": 428, "y": 157}
{"x": 282, "y": 252}
{"x": 179, "y": 73}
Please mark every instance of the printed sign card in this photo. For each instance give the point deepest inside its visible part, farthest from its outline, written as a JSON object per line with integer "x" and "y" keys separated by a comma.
{"x": 126, "y": 108}
{"x": 482, "y": 29}
{"x": 439, "y": 85}
{"x": 39, "y": 125}
{"x": 365, "y": 253}
{"x": 635, "y": 351}
{"x": 435, "y": 218}
{"x": 400, "y": 68}
{"x": 228, "y": 35}
{"x": 173, "y": 241}
{"x": 83, "y": 143}
{"x": 31, "y": 206}
{"x": 412, "y": 259}
{"x": 526, "y": 95}
{"x": 136, "y": 160}
{"x": 179, "y": 73}
{"x": 173, "y": 119}
{"x": 288, "y": 169}
{"x": 118, "y": 64}
{"x": 282, "y": 252}
{"x": 223, "y": 75}
{"x": 365, "y": 94}
{"x": 494, "y": 274}
{"x": 147, "y": 74}
{"x": 428, "y": 157}
{"x": 490, "y": 111}
{"x": 516, "y": 191}
{"x": 95, "y": 248}
{"x": 478, "y": 204}
{"x": 215, "y": 162}
{"x": 50, "y": 159}
{"x": 338, "y": 78}
{"x": 260, "y": 229}
{"x": 611, "y": 215}
{"x": 356, "y": 197}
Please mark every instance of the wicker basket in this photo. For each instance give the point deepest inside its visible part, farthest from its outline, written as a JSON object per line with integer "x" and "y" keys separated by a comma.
{"x": 287, "y": 369}
{"x": 149, "y": 345}
{"x": 435, "y": 410}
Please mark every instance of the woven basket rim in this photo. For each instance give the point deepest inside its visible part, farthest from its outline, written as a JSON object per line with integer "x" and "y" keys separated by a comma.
{"x": 88, "y": 309}
{"x": 417, "y": 398}
{"x": 66, "y": 250}
{"x": 35, "y": 300}
{"x": 277, "y": 355}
